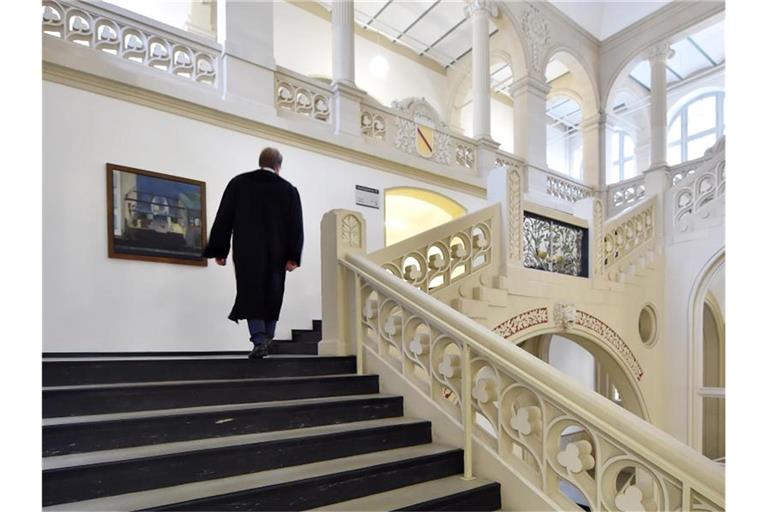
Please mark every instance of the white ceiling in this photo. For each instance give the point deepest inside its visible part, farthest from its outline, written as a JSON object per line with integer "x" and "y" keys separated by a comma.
{"x": 606, "y": 17}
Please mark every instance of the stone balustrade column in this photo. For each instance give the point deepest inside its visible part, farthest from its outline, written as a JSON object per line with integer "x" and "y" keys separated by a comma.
{"x": 657, "y": 57}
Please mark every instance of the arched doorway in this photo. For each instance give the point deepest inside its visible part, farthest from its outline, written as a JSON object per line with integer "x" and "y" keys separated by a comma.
{"x": 410, "y": 211}
{"x": 707, "y": 354}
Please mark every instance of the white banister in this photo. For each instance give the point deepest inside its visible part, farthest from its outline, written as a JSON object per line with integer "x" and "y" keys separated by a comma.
{"x": 629, "y": 233}
{"x": 528, "y": 404}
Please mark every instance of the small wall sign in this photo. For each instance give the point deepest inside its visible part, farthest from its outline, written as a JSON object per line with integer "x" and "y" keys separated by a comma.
{"x": 366, "y": 196}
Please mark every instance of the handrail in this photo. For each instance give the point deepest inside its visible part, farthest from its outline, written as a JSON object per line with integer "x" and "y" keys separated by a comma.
{"x": 625, "y": 193}
{"x": 671, "y": 463}
{"x": 628, "y": 231}
{"x": 448, "y": 252}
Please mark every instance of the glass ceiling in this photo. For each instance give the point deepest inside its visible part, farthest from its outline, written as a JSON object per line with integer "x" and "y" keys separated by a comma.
{"x": 437, "y": 29}
{"x": 693, "y": 54}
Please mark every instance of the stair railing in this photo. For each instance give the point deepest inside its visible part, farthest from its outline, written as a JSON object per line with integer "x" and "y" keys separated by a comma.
{"x": 441, "y": 256}
{"x": 628, "y": 234}
{"x": 520, "y": 407}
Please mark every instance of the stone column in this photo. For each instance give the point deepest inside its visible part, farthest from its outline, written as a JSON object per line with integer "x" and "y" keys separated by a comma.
{"x": 595, "y": 150}
{"x": 201, "y": 17}
{"x": 343, "y": 41}
{"x": 657, "y": 57}
{"x": 248, "y": 63}
{"x": 346, "y": 95}
{"x": 480, "y": 12}
{"x": 530, "y": 113}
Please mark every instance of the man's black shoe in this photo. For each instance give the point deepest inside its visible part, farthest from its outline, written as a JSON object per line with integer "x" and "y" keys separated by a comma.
{"x": 258, "y": 352}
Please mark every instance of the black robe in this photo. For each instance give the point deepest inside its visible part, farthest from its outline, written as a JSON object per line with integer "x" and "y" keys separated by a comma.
{"x": 263, "y": 212}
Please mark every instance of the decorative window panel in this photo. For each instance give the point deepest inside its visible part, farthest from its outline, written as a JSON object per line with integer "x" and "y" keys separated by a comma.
{"x": 555, "y": 246}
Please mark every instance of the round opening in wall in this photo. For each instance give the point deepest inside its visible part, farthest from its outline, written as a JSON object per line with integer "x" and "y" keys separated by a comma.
{"x": 647, "y": 325}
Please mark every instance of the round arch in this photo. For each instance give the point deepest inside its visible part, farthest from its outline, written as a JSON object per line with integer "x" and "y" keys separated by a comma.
{"x": 537, "y": 343}
{"x": 584, "y": 82}
{"x": 411, "y": 210}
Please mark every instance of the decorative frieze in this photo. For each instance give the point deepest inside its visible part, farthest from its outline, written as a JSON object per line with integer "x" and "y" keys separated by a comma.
{"x": 614, "y": 340}
{"x": 521, "y": 322}
{"x": 536, "y": 30}
{"x": 302, "y": 98}
{"x": 373, "y": 125}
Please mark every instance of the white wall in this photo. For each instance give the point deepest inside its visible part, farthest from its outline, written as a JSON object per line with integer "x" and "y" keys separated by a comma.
{"x": 303, "y": 44}
{"x": 93, "y": 303}
{"x": 502, "y": 123}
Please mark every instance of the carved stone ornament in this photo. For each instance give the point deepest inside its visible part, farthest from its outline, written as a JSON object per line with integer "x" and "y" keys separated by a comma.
{"x": 350, "y": 231}
{"x": 577, "y": 457}
{"x": 521, "y": 322}
{"x": 536, "y": 30}
{"x": 564, "y": 315}
{"x": 527, "y": 420}
{"x": 596, "y": 325}
{"x": 633, "y": 500}
{"x": 477, "y": 6}
{"x": 419, "y": 108}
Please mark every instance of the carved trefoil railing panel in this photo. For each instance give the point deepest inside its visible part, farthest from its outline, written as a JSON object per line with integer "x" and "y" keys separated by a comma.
{"x": 566, "y": 190}
{"x": 554, "y": 246}
{"x": 679, "y": 172}
{"x": 109, "y": 32}
{"x": 298, "y": 94}
{"x": 446, "y": 254}
{"x": 539, "y": 425}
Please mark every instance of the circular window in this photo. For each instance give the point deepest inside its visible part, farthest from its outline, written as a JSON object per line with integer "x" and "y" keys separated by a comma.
{"x": 647, "y": 325}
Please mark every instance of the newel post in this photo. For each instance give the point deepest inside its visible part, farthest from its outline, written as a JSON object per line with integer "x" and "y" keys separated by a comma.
{"x": 341, "y": 232}
{"x": 506, "y": 185}
{"x": 593, "y": 210}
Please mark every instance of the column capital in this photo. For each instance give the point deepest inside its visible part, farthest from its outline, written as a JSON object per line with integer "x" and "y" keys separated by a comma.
{"x": 595, "y": 120}
{"x": 477, "y": 7}
{"x": 660, "y": 52}
{"x": 529, "y": 84}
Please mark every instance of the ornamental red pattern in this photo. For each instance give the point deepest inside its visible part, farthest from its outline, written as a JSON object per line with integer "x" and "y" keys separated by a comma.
{"x": 521, "y": 322}
{"x": 594, "y": 324}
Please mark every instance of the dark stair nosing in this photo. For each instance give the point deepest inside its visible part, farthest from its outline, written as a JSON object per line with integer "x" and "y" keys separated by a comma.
{"x": 112, "y": 398}
{"x": 63, "y": 373}
{"x": 78, "y": 483}
{"x": 123, "y": 433}
{"x": 333, "y": 488}
{"x": 293, "y": 347}
{"x": 484, "y": 498}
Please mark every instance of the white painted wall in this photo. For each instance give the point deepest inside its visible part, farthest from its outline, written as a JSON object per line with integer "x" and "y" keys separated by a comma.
{"x": 303, "y": 44}
{"x": 93, "y": 303}
{"x": 502, "y": 123}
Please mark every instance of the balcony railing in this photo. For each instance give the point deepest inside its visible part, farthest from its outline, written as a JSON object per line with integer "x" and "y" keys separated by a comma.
{"x": 109, "y": 29}
{"x": 624, "y": 194}
{"x": 302, "y": 95}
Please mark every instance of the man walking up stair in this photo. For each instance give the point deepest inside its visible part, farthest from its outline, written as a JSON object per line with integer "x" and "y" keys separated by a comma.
{"x": 261, "y": 212}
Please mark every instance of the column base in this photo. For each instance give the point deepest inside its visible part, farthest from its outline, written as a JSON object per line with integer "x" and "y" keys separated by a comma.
{"x": 485, "y": 156}
{"x": 346, "y": 107}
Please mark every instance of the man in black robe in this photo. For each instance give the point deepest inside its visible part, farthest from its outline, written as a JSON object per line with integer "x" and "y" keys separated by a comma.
{"x": 263, "y": 212}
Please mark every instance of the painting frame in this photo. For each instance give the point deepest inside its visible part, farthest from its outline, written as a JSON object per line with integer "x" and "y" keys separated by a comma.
{"x": 113, "y": 245}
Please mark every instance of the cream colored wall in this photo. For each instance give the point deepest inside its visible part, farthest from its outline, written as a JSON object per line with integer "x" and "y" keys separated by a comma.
{"x": 303, "y": 44}
{"x": 502, "y": 123}
{"x": 93, "y": 303}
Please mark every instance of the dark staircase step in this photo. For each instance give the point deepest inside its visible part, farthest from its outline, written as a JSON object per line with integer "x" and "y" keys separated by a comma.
{"x": 80, "y": 372}
{"x": 88, "y": 476}
{"x": 305, "y": 335}
{"x": 112, "y": 398}
{"x": 293, "y": 348}
{"x": 62, "y": 436}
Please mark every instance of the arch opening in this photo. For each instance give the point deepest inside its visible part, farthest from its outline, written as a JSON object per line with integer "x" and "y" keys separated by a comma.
{"x": 409, "y": 211}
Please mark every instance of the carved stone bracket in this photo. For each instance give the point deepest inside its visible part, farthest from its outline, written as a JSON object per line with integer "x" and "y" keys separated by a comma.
{"x": 536, "y": 30}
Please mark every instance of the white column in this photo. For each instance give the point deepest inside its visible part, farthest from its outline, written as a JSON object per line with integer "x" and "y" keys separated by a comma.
{"x": 530, "y": 112}
{"x": 343, "y": 41}
{"x": 594, "y": 137}
{"x": 480, "y": 12}
{"x": 657, "y": 57}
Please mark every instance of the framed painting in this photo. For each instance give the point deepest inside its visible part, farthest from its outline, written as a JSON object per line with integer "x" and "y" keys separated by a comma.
{"x": 155, "y": 217}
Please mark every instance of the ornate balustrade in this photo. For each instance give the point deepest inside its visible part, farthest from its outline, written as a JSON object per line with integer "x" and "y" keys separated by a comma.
{"x": 692, "y": 195}
{"x": 556, "y": 185}
{"x": 436, "y": 258}
{"x": 628, "y": 233}
{"x": 523, "y": 410}
{"x": 412, "y": 126}
{"x": 128, "y": 36}
{"x": 624, "y": 194}
{"x": 680, "y": 172}
{"x": 508, "y": 160}
{"x": 302, "y": 95}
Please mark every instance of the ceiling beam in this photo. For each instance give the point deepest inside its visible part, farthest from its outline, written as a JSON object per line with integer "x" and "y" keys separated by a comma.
{"x": 701, "y": 51}
{"x": 421, "y": 16}
{"x": 443, "y": 36}
{"x": 368, "y": 23}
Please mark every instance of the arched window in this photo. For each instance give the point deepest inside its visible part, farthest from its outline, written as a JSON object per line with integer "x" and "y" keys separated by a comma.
{"x": 623, "y": 161}
{"x": 564, "y": 139}
{"x": 696, "y": 127}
